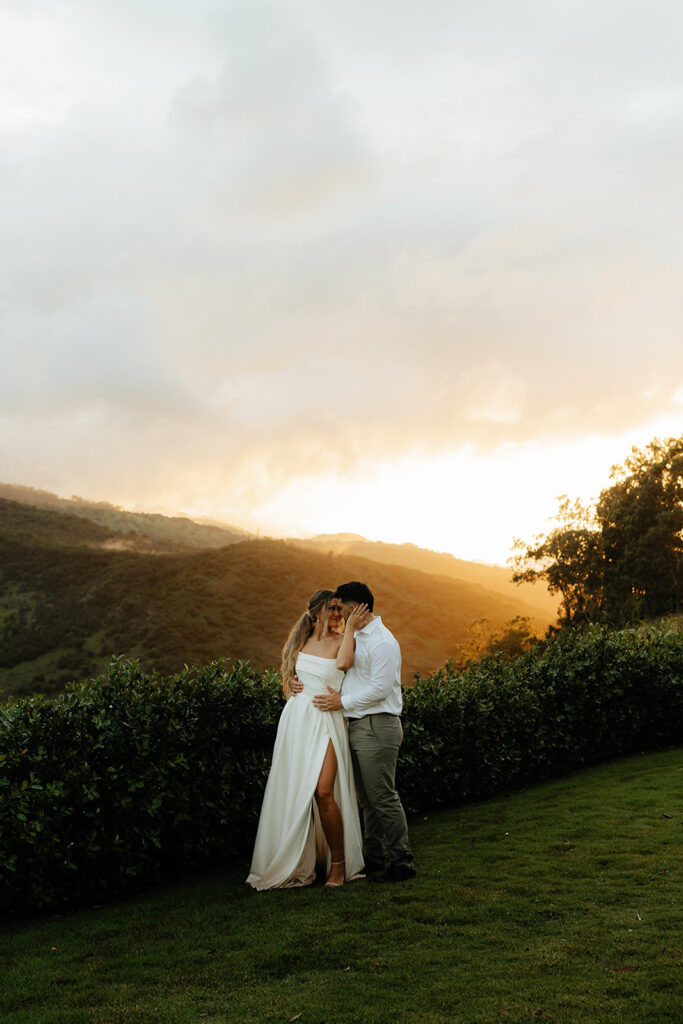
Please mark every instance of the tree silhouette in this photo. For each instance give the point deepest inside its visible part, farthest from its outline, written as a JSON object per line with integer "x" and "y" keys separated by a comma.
{"x": 623, "y": 559}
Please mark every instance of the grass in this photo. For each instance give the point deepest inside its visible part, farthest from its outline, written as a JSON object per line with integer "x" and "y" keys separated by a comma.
{"x": 555, "y": 904}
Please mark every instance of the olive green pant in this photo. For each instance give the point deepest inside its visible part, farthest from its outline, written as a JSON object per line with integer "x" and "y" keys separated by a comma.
{"x": 374, "y": 742}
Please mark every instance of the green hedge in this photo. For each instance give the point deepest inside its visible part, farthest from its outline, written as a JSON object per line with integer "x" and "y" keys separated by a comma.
{"x": 128, "y": 777}
{"x": 582, "y": 697}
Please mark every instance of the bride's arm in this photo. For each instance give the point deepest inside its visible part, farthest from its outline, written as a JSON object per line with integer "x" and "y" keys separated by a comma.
{"x": 347, "y": 648}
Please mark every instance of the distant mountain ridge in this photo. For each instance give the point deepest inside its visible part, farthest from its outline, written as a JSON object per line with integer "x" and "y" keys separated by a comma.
{"x": 537, "y": 601}
{"x": 72, "y": 594}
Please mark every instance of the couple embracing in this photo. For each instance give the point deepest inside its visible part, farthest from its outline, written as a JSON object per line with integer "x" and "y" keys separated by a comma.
{"x": 335, "y": 750}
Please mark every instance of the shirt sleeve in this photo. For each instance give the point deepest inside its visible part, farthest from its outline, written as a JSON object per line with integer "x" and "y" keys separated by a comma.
{"x": 383, "y": 673}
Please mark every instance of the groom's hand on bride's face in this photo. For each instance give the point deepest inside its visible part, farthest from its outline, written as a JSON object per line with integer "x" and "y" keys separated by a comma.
{"x": 330, "y": 701}
{"x": 356, "y": 617}
{"x": 296, "y": 686}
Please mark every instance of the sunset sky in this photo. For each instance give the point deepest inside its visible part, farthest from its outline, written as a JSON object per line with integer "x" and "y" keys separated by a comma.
{"x": 405, "y": 270}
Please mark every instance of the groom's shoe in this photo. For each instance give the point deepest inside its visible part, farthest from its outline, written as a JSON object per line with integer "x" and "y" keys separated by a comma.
{"x": 397, "y": 873}
{"x": 373, "y": 867}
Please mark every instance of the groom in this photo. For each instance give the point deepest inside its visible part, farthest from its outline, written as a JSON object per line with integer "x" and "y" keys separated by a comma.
{"x": 372, "y": 703}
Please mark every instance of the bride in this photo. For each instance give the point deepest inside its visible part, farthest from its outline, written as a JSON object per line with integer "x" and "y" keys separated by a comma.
{"x": 309, "y": 811}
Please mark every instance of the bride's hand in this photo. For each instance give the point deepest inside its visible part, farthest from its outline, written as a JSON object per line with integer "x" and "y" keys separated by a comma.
{"x": 356, "y": 617}
{"x": 296, "y": 686}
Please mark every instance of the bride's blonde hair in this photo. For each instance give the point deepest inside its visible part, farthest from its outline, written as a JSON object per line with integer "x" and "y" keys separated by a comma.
{"x": 318, "y": 606}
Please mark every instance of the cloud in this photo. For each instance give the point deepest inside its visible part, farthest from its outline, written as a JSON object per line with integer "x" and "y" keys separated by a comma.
{"x": 99, "y": 351}
{"x": 261, "y": 253}
{"x": 279, "y": 139}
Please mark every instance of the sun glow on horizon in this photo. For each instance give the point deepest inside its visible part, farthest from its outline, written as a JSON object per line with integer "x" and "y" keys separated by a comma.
{"x": 470, "y": 504}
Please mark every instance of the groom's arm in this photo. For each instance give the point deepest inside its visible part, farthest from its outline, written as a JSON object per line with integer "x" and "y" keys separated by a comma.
{"x": 383, "y": 672}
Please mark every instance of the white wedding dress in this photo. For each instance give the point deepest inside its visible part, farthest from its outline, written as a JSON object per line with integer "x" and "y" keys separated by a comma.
{"x": 290, "y": 838}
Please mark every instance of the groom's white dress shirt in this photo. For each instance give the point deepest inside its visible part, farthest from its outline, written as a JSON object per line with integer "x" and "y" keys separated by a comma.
{"x": 373, "y": 683}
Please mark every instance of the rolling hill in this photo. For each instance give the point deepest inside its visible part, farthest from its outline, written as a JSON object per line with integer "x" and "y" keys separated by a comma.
{"x": 178, "y": 531}
{"x": 69, "y": 599}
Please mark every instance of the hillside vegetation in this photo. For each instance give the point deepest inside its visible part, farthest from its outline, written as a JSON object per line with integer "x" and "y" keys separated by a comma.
{"x": 68, "y": 601}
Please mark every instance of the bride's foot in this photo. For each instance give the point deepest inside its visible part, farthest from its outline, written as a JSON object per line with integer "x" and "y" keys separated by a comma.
{"x": 336, "y": 876}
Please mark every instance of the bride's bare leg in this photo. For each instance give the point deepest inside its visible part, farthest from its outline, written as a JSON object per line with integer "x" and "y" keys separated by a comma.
{"x": 330, "y": 815}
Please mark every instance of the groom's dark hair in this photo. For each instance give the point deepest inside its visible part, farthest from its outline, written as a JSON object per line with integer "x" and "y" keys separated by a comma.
{"x": 359, "y": 593}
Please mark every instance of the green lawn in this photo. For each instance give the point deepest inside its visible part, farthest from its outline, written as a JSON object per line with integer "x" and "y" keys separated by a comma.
{"x": 556, "y": 904}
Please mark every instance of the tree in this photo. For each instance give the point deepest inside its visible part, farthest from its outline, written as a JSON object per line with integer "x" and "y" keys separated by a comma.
{"x": 641, "y": 522}
{"x": 569, "y": 559}
{"x": 623, "y": 559}
{"x": 511, "y": 639}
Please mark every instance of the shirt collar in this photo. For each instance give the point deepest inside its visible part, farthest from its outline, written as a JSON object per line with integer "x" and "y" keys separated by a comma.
{"x": 371, "y": 626}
